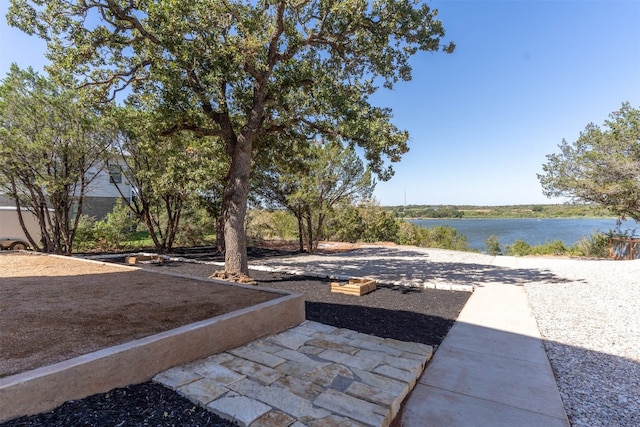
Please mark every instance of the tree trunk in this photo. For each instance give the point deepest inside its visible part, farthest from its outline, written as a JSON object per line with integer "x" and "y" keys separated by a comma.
{"x": 235, "y": 208}
{"x": 300, "y": 230}
{"x": 219, "y": 224}
{"x": 309, "y": 220}
{"x": 316, "y": 239}
{"x": 14, "y": 195}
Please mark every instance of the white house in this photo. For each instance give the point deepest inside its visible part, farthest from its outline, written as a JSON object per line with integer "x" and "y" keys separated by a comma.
{"x": 101, "y": 194}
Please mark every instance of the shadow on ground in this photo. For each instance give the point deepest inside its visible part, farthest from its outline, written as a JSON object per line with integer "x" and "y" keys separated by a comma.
{"x": 393, "y": 265}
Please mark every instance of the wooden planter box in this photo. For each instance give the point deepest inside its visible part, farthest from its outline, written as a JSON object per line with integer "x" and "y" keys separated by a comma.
{"x": 357, "y": 287}
{"x": 144, "y": 258}
{"x": 624, "y": 248}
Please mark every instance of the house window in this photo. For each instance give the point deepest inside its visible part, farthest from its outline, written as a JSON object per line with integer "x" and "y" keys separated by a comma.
{"x": 115, "y": 174}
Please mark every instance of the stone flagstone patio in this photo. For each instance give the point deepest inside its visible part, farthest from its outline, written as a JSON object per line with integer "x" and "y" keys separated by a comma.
{"x": 310, "y": 375}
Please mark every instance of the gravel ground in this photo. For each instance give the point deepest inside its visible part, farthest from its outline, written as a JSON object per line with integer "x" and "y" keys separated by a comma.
{"x": 590, "y": 322}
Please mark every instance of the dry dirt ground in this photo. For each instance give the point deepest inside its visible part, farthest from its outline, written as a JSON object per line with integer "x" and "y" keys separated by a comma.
{"x": 54, "y": 308}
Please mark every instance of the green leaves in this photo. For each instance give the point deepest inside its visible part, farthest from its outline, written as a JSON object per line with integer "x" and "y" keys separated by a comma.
{"x": 278, "y": 64}
{"x": 50, "y": 140}
{"x": 313, "y": 181}
{"x": 602, "y": 166}
{"x": 166, "y": 171}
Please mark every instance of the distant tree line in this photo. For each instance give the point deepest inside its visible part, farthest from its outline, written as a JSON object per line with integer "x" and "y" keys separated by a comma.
{"x": 366, "y": 222}
{"x": 511, "y": 211}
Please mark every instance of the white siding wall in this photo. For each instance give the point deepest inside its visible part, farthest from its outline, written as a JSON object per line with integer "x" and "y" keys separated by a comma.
{"x": 101, "y": 186}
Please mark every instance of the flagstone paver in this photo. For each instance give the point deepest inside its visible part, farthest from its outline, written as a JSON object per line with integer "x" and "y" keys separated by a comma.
{"x": 311, "y": 375}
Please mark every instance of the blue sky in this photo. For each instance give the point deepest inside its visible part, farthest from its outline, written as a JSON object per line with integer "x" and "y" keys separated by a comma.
{"x": 525, "y": 75}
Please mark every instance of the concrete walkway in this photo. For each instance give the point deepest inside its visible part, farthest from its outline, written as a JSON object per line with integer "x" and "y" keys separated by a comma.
{"x": 491, "y": 369}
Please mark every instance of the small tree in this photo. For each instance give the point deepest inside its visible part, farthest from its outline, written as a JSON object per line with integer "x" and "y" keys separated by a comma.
{"x": 337, "y": 175}
{"x": 325, "y": 176}
{"x": 492, "y": 245}
{"x": 380, "y": 226}
{"x": 195, "y": 224}
{"x": 411, "y": 234}
{"x": 602, "y": 166}
{"x": 445, "y": 237}
{"x": 518, "y": 248}
{"x": 49, "y": 140}
{"x": 346, "y": 225}
{"x": 113, "y": 229}
{"x": 165, "y": 172}
{"x": 275, "y": 180}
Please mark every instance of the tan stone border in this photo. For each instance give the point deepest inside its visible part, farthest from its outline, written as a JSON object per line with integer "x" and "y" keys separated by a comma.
{"x": 45, "y": 388}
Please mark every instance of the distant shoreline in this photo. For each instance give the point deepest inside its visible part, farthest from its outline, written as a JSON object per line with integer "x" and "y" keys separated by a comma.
{"x": 508, "y": 217}
{"x": 424, "y": 212}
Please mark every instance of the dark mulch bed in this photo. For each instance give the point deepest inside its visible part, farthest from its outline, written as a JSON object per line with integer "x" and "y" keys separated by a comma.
{"x": 406, "y": 314}
{"x": 147, "y": 404}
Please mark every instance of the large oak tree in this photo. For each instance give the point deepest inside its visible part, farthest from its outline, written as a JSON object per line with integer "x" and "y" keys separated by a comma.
{"x": 241, "y": 71}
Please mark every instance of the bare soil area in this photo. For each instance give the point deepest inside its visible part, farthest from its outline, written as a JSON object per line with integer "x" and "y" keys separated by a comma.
{"x": 55, "y": 308}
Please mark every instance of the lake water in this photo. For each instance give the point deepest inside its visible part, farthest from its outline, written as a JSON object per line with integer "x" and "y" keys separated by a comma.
{"x": 534, "y": 231}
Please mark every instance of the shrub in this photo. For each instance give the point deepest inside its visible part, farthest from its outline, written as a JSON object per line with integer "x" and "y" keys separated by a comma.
{"x": 285, "y": 225}
{"x": 346, "y": 224}
{"x": 446, "y": 237}
{"x": 195, "y": 228}
{"x": 380, "y": 226}
{"x": 269, "y": 225}
{"x": 441, "y": 237}
{"x": 106, "y": 234}
{"x": 596, "y": 245}
{"x": 113, "y": 229}
{"x": 366, "y": 223}
{"x": 556, "y": 247}
{"x": 492, "y": 245}
{"x": 411, "y": 234}
{"x": 85, "y": 238}
{"x": 518, "y": 248}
